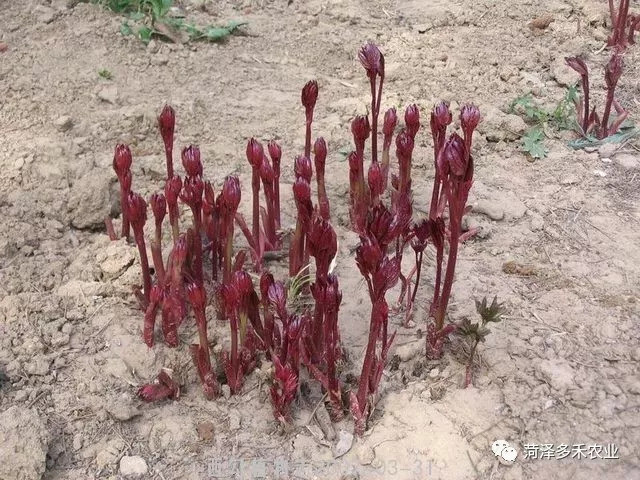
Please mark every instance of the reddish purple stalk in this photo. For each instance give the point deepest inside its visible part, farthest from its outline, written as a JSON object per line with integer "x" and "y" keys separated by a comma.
{"x": 166, "y": 123}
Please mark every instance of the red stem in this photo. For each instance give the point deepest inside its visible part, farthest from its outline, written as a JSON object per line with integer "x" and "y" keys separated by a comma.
{"x": 369, "y": 358}
{"x": 168, "y": 149}
{"x": 255, "y": 184}
{"x": 451, "y": 266}
{"x": 144, "y": 263}
{"x": 374, "y": 122}
{"x": 125, "y": 216}
{"x": 604, "y": 129}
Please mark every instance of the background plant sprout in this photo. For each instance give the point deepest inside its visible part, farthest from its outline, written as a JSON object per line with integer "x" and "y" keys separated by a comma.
{"x": 478, "y": 332}
{"x": 542, "y": 120}
{"x": 151, "y": 18}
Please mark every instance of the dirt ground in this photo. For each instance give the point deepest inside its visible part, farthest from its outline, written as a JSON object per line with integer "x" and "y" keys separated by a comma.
{"x": 561, "y": 369}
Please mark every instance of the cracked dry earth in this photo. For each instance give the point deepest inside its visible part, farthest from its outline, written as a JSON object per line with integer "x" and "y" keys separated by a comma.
{"x": 558, "y": 242}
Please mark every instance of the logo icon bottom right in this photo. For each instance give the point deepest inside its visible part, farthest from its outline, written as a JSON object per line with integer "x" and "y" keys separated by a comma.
{"x": 506, "y": 453}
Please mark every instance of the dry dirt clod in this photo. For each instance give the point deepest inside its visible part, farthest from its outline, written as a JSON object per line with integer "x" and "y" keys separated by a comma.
{"x": 24, "y": 441}
{"x": 133, "y": 466}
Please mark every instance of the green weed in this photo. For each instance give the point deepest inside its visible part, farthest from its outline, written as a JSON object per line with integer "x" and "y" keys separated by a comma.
{"x": 542, "y": 120}
{"x": 152, "y": 18}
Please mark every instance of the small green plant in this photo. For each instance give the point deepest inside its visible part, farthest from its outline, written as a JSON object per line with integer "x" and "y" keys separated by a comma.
{"x": 478, "y": 332}
{"x": 106, "y": 74}
{"x": 149, "y": 18}
{"x": 541, "y": 120}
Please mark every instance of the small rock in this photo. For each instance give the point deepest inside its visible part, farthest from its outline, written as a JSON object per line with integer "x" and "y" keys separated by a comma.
{"x": 568, "y": 180}
{"x": 606, "y": 408}
{"x": 562, "y": 73}
{"x": 612, "y": 389}
{"x": 122, "y": 411}
{"x": 366, "y": 455}
{"x": 344, "y": 443}
{"x": 115, "y": 259}
{"x": 159, "y": 60}
{"x": 152, "y": 46}
{"x": 409, "y": 351}
{"x": 63, "y": 123}
{"x": 234, "y": 420}
{"x": 490, "y": 209}
{"x": 77, "y": 442}
{"x": 109, "y": 94}
{"x": 628, "y": 161}
{"x": 37, "y": 366}
{"x": 133, "y": 466}
{"x": 537, "y": 223}
{"x": 45, "y": 14}
{"x": 205, "y": 431}
{"x": 558, "y": 374}
{"x": 607, "y": 150}
{"x": 24, "y": 439}
{"x": 226, "y": 391}
{"x": 434, "y": 373}
{"x": 109, "y": 453}
{"x": 21, "y": 396}
{"x": 90, "y": 200}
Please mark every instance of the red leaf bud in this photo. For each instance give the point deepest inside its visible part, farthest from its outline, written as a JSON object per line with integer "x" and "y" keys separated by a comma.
{"x": 166, "y": 123}
{"x": 159, "y": 206}
{"x": 309, "y": 95}
{"x": 453, "y": 156}
{"x": 255, "y": 152}
{"x": 302, "y": 168}
{"x": 136, "y": 210}
{"x": 360, "y": 129}
{"x": 122, "y": 160}
{"x": 191, "y": 161}
{"x": 320, "y": 152}
{"x": 231, "y": 193}
{"x": 469, "y": 118}
{"x": 613, "y": 71}
{"x": 372, "y": 60}
{"x": 412, "y": 119}
{"x": 390, "y": 121}
{"x": 197, "y": 295}
{"x": 376, "y": 180}
{"x": 172, "y": 188}
{"x": 275, "y": 152}
{"x": 404, "y": 145}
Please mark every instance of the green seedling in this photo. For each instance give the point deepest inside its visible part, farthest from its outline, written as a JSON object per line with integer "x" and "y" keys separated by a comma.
{"x": 543, "y": 120}
{"x": 478, "y": 332}
{"x": 106, "y": 74}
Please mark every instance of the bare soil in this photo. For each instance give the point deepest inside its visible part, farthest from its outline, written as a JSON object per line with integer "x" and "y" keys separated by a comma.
{"x": 558, "y": 242}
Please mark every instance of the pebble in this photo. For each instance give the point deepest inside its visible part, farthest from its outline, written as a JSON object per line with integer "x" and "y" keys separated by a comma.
{"x": 490, "y": 209}
{"x": 63, "y": 123}
{"x": 366, "y": 455}
{"x": 628, "y": 161}
{"x": 77, "y": 442}
{"x": 133, "y": 466}
{"x": 120, "y": 410}
{"x": 344, "y": 443}
{"x": 45, "y": 14}
{"x": 234, "y": 420}
{"x": 607, "y": 150}
{"x": 612, "y": 389}
{"x": 434, "y": 373}
{"x": 109, "y": 94}
{"x": 557, "y": 373}
{"x": 37, "y": 366}
{"x": 226, "y": 391}
{"x": 409, "y": 351}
